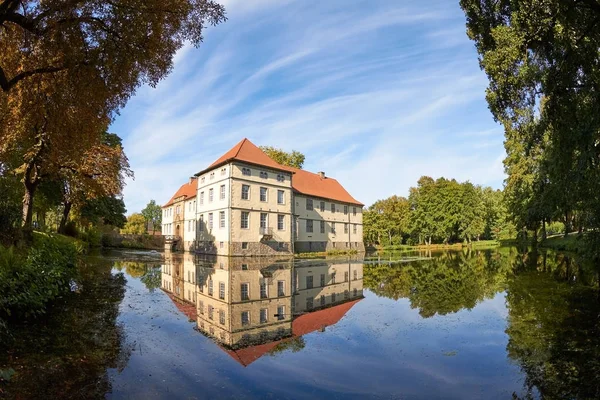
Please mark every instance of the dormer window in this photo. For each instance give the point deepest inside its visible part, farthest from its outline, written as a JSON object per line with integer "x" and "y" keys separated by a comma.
{"x": 246, "y": 171}
{"x": 264, "y": 175}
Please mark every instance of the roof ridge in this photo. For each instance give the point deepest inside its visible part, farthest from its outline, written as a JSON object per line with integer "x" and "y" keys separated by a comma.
{"x": 241, "y": 144}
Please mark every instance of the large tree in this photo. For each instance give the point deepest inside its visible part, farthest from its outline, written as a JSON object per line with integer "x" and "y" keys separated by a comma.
{"x": 67, "y": 67}
{"x": 541, "y": 58}
{"x": 127, "y": 42}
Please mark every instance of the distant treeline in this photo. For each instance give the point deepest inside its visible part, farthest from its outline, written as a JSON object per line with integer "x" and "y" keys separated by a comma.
{"x": 439, "y": 211}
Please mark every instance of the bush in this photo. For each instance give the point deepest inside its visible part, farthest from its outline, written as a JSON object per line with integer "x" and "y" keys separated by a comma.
{"x": 93, "y": 237}
{"x": 29, "y": 282}
{"x": 555, "y": 228}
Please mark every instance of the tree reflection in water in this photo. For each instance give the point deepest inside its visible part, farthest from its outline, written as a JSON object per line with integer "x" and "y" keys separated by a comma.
{"x": 553, "y": 305}
{"x": 554, "y": 326}
{"x": 66, "y": 353}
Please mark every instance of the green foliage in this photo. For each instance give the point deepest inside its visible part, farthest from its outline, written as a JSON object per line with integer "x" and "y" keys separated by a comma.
{"x": 67, "y": 351}
{"x": 388, "y": 221}
{"x": 437, "y": 211}
{"x": 149, "y": 274}
{"x": 11, "y": 208}
{"x": 92, "y": 236}
{"x": 572, "y": 243}
{"x": 136, "y": 225}
{"x": 105, "y": 210}
{"x": 555, "y": 228}
{"x": 444, "y": 284}
{"x": 553, "y": 328}
{"x": 153, "y": 213}
{"x": 541, "y": 61}
{"x": 291, "y": 159}
{"x": 29, "y": 282}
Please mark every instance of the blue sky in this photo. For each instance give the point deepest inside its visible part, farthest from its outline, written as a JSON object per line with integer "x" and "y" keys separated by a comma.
{"x": 374, "y": 93}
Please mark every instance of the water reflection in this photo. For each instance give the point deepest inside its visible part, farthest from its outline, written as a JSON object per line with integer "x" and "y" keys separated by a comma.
{"x": 446, "y": 283}
{"x": 472, "y": 324}
{"x": 554, "y": 326}
{"x": 258, "y": 306}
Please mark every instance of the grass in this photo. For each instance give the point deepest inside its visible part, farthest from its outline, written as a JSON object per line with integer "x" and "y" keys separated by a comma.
{"x": 454, "y": 246}
{"x": 329, "y": 253}
{"x": 573, "y": 242}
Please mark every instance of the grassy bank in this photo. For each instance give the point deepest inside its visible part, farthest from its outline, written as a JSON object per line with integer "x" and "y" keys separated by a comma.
{"x": 329, "y": 253}
{"x": 454, "y": 246}
{"x": 573, "y": 242}
{"x": 31, "y": 278}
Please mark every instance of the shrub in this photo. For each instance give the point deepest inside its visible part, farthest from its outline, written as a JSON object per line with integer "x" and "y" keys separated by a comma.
{"x": 555, "y": 228}
{"x": 29, "y": 282}
{"x": 93, "y": 237}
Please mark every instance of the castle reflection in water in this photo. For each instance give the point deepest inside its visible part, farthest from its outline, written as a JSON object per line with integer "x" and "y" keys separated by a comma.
{"x": 254, "y": 306}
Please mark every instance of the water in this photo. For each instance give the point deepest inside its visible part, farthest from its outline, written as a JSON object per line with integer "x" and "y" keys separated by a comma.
{"x": 490, "y": 324}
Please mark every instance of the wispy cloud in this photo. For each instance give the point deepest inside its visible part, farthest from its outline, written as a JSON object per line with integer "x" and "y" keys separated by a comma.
{"x": 375, "y": 93}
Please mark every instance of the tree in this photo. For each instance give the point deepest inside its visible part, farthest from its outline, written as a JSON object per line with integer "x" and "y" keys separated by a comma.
{"x": 101, "y": 172}
{"x": 293, "y": 159}
{"x": 390, "y": 217}
{"x": 128, "y": 42}
{"x": 67, "y": 67}
{"x": 135, "y": 225}
{"x": 544, "y": 87}
{"x": 153, "y": 213}
{"x": 472, "y": 215}
{"x": 107, "y": 210}
{"x": 422, "y": 206}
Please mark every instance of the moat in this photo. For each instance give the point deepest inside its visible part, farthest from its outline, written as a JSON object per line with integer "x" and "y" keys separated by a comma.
{"x": 480, "y": 324}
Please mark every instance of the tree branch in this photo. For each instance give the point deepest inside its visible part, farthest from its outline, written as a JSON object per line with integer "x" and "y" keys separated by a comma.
{"x": 6, "y": 84}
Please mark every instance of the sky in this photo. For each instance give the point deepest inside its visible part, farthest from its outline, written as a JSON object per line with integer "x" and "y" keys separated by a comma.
{"x": 374, "y": 93}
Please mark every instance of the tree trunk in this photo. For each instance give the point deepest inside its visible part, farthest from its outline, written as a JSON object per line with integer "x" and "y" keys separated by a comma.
{"x": 28, "y": 205}
{"x": 544, "y": 235}
{"x": 65, "y": 217}
{"x": 30, "y": 183}
{"x": 567, "y": 224}
{"x": 534, "y": 239}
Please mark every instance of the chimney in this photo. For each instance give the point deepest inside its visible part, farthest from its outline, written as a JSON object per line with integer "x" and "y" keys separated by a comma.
{"x": 193, "y": 178}
{"x": 322, "y": 174}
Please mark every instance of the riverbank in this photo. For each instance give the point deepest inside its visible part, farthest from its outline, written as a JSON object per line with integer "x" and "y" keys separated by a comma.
{"x": 31, "y": 278}
{"x": 329, "y": 253}
{"x": 574, "y": 242}
{"x": 454, "y": 246}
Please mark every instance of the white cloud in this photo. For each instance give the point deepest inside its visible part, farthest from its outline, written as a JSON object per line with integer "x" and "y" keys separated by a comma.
{"x": 375, "y": 95}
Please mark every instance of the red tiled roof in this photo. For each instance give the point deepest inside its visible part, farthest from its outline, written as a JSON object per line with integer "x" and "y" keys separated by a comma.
{"x": 248, "y": 152}
{"x": 302, "y": 325}
{"x": 248, "y": 355}
{"x": 311, "y": 184}
{"x": 316, "y": 320}
{"x": 188, "y": 190}
{"x": 303, "y": 182}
